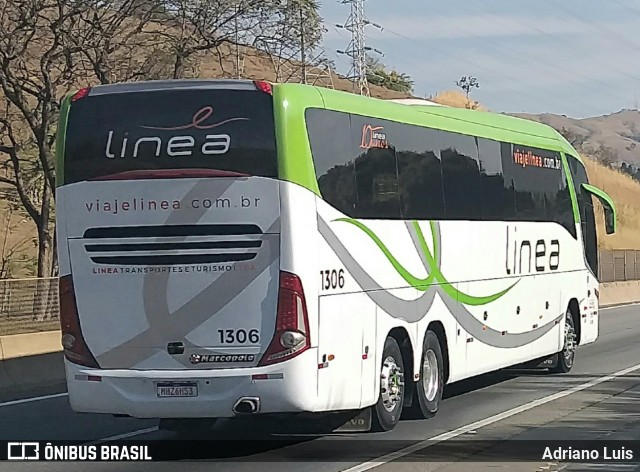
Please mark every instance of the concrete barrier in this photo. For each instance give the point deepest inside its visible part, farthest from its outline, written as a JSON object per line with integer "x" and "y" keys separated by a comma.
{"x": 619, "y": 293}
{"x": 31, "y": 363}
{"x": 29, "y": 344}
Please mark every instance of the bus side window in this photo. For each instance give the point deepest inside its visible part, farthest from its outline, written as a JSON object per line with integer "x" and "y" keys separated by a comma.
{"x": 419, "y": 174}
{"x": 461, "y": 178}
{"x": 499, "y": 198}
{"x": 527, "y": 181}
{"x": 331, "y": 148}
{"x": 376, "y": 172}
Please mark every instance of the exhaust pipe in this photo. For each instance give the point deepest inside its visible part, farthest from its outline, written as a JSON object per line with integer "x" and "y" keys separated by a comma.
{"x": 247, "y": 406}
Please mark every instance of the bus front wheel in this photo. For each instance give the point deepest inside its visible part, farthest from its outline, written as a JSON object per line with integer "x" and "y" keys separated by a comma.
{"x": 566, "y": 357}
{"x": 429, "y": 389}
{"x": 387, "y": 411}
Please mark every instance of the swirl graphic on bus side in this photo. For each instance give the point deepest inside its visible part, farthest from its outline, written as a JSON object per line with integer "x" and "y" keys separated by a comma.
{"x": 416, "y": 309}
{"x": 435, "y": 274}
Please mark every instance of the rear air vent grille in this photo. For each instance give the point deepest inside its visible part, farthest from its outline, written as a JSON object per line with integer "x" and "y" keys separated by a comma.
{"x": 171, "y": 246}
{"x": 183, "y": 259}
{"x": 167, "y": 252}
{"x": 170, "y": 231}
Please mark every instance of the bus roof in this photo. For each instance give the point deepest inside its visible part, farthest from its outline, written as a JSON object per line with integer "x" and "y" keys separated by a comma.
{"x": 482, "y": 123}
{"x": 416, "y": 102}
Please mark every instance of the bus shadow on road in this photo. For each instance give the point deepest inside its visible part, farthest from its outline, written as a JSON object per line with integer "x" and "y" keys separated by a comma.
{"x": 240, "y": 439}
{"x": 283, "y": 438}
{"x": 477, "y": 383}
{"x": 532, "y": 379}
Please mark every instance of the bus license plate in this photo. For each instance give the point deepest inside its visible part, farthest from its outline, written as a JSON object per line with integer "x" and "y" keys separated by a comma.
{"x": 177, "y": 389}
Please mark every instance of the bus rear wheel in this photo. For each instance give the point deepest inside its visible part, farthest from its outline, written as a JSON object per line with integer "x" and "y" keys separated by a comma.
{"x": 566, "y": 357}
{"x": 387, "y": 411}
{"x": 429, "y": 389}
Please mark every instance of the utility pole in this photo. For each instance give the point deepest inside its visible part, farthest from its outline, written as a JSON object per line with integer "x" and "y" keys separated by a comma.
{"x": 357, "y": 49}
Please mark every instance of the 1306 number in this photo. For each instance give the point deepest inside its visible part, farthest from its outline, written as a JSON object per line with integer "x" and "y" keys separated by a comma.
{"x": 238, "y": 336}
{"x": 331, "y": 279}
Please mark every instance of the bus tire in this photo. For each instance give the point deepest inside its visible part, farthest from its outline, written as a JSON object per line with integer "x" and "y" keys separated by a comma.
{"x": 566, "y": 357}
{"x": 429, "y": 389}
{"x": 388, "y": 408}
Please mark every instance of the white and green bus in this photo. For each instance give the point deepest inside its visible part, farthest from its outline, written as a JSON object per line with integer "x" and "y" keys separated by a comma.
{"x": 241, "y": 248}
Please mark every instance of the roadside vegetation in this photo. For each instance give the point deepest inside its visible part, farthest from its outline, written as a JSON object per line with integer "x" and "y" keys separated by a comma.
{"x": 51, "y": 47}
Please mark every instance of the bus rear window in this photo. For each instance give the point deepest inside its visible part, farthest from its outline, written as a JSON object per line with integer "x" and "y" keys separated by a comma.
{"x": 225, "y": 130}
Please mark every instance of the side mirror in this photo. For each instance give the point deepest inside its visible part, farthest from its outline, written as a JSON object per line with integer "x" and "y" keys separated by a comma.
{"x": 610, "y": 220}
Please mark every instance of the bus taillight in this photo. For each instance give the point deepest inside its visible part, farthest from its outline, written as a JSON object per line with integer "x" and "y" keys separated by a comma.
{"x": 291, "y": 336}
{"x": 80, "y": 94}
{"x": 75, "y": 348}
{"x": 263, "y": 86}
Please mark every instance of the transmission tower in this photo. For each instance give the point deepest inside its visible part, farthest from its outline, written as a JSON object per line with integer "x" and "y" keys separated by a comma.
{"x": 357, "y": 49}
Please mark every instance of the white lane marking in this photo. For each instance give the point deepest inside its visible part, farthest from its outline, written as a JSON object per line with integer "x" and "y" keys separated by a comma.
{"x": 124, "y": 435}
{"x": 613, "y": 307}
{"x": 33, "y": 399}
{"x": 485, "y": 422}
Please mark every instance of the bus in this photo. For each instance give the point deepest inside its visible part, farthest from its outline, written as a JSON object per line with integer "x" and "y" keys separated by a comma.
{"x": 232, "y": 248}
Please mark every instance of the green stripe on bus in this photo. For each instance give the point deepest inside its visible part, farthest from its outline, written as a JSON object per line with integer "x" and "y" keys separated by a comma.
{"x": 435, "y": 275}
{"x": 416, "y": 282}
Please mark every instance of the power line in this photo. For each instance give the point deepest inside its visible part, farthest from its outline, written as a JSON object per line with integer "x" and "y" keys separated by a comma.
{"x": 479, "y": 66}
{"x": 520, "y": 78}
{"x": 598, "y": 27}
{"x": 625, "y": 6}
{"x": 561, "y": 42}
{"x": 517, "y": 54}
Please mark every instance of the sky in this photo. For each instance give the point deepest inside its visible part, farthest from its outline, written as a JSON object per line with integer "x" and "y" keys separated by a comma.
{"x": 580, "y": 58}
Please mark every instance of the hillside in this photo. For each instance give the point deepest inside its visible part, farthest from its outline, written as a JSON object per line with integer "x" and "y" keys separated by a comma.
{"x": 256, "y": 64}
{"x": 619, "y": 132}
{"x": 625, "y": 192}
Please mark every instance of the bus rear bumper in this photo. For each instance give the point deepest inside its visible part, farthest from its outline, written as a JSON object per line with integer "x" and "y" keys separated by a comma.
{"x": 289, "y": 387}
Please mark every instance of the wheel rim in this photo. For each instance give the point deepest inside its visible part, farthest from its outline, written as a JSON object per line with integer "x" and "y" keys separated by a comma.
{"x": 391, "y": 382}
{"x": 570, "y": 344}
{"x": 430, "y": 375}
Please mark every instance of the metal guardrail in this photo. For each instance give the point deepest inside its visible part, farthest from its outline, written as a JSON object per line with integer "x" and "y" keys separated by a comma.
{"x": 31, "y": 305}
{"x": 28, "y": 306}
{"x": 618, "y": 265}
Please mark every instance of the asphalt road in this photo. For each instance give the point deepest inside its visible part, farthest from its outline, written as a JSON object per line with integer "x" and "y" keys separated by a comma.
{"x": 597, "y": 400}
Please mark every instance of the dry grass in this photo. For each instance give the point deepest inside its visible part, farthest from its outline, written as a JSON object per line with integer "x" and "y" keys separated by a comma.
{"x": 453, "y": 98}
{"x": 625, "y": 193}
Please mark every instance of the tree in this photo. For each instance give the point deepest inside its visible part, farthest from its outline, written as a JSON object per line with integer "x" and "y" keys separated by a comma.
{"x": 116, "y": 40}
{"x": 198, "y": 26}
{"x": 377, "y": 74}
{"x": 11, "y": 247}
{"x": 30, "y": 81}
{"x": 48, "y": 47}
{"x": 466, "y": 83}
{"x": 292, "y": 39}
